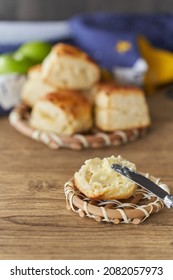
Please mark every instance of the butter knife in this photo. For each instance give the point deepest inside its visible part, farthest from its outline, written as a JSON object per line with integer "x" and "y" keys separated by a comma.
{"x": 145, "y": 183}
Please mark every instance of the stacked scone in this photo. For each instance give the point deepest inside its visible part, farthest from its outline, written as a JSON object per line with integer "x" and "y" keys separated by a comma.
{"x": 62, "y": 112}
{"x": 67, "y": 96}
{"x": 56, "y": 91}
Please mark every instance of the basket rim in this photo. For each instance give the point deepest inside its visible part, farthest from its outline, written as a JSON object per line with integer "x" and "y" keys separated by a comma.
{"x": 19, "y": 116}
{"x": 122, "y": 212}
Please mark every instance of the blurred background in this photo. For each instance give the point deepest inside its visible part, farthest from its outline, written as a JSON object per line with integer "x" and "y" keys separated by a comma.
{"x": 63, "y": 9}
{"x": 130, "y": 39}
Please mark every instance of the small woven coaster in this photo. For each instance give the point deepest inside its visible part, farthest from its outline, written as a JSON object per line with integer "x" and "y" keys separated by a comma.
{"x": 135, "y": 210}
{"x": 19, "y": 119}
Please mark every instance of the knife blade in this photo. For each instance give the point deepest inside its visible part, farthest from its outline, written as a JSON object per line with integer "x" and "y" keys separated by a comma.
{"x": 145, "y": 183}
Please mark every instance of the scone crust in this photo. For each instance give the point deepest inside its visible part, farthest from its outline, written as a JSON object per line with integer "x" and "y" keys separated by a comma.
{"x": 34, "y": 71}
{"x": 110, "y": 88}
{"x": 71, "y": 51}
{"x": 70, "y": 101}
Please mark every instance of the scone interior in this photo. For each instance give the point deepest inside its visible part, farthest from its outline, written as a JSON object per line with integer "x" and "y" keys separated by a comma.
{"x": 63, "y": 113}
{"x": 118, "y": 107}
{"x": 97, "y": 180}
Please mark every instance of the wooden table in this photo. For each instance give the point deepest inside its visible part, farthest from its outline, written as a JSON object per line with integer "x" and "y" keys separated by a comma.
{"x": 34, "y": 221}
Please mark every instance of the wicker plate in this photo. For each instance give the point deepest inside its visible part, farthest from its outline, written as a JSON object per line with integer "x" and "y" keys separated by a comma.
{"x": 19, "y": 119}
{"x": 134, "y": 210}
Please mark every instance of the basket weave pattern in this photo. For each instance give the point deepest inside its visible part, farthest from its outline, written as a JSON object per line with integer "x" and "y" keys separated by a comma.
{"x": 19, "y": 119}
{"x": 134, "y": 210}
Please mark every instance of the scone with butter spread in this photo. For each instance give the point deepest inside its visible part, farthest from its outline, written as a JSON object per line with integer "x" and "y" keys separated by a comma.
{"x": 63, "y": 112}
{"x": 97, "y": 180}
{"x": 120, "y": 107}
{"x": 68, "y": 67}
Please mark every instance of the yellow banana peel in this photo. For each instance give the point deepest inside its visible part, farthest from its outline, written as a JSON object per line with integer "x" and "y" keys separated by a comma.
{"x": 160, "y": 64}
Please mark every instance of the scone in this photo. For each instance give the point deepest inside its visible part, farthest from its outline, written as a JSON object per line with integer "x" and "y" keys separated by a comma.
{"x": 33, "y": 89}
{"x": 97, "y": 180}
{"x": 120, "y": 107}
{"x": 67, "y": 67}
{"x": 63, "y": 112}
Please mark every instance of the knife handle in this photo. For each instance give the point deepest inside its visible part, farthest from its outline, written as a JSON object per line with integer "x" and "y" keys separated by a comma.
{"x": 168, "y": 200}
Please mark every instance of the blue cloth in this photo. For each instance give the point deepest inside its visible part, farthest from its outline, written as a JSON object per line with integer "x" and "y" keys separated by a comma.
{"x": 4, "y": 112}
{"x": 5, "y": 48}
{"x": 99, "y": 34}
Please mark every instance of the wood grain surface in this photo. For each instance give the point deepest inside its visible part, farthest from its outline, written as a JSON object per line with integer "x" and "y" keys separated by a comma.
{"x": 34, "y": 222}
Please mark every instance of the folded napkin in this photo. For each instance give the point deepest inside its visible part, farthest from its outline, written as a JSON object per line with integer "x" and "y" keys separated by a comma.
{"x": 10, "y": 87}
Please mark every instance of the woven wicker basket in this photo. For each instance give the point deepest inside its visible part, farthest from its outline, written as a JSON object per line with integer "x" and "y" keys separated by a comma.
{"x": 135, "y": 210}
{"x": 19, "y": 119}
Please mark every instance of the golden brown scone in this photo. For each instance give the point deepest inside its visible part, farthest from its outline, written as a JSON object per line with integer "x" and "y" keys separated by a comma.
{"x": 63, "y": 112}
{"x": 97, "y": 180}
{"x": 120, "y": 107}
{"x": 67, "y": 67}
{"x": 33, "y": 89}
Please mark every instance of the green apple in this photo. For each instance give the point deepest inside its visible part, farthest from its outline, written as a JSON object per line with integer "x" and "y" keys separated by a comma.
{"x": 9, "y": 64}
{"x": 35, "y": 51}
